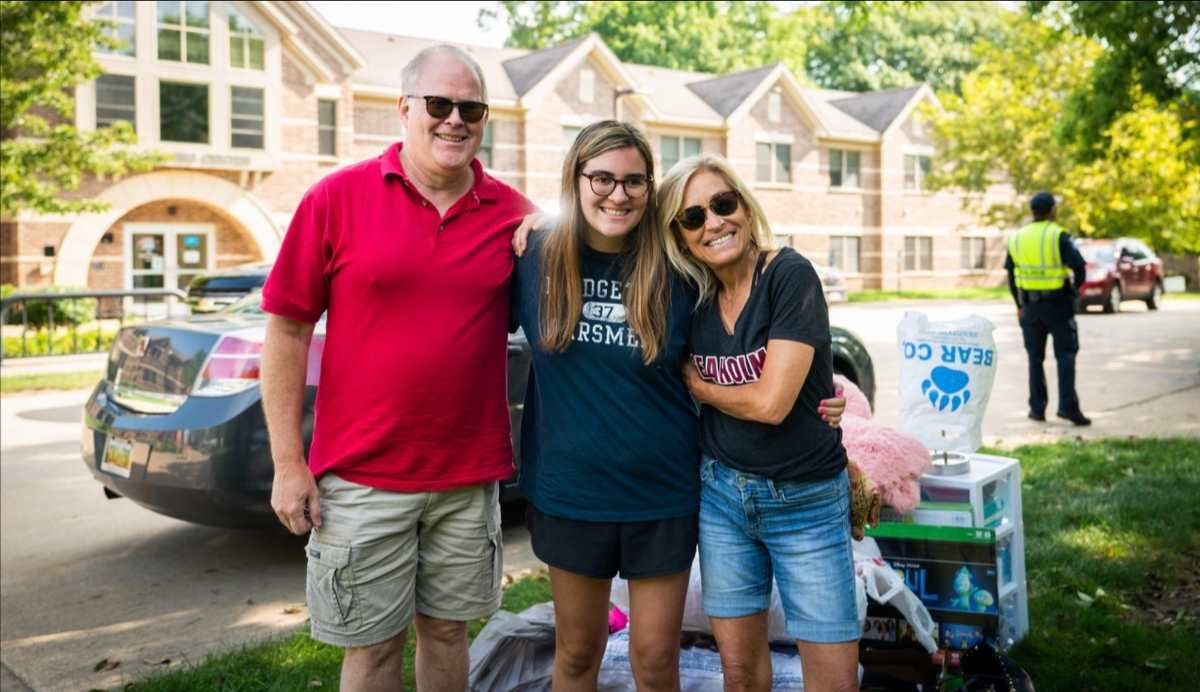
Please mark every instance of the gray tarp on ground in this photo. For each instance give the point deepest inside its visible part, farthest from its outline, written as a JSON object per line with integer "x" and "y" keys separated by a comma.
{"x": 516, "y": 652}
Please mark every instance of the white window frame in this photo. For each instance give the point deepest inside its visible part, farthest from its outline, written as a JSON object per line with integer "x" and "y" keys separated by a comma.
{"x": 968, "y": 248}
{"x": 184, "y": 29}
{"x": 918, "y": 174}
{"x": 111, "y": 11}
{"x": 487, "y": 146}
{"x": 773, "y": 146}
{"x": 132, "y": 120}
{"x": 332, "y": 128}
{"x": 843, "y": 241}
{"x": 920, "y": 261}
{"x": 254, "y": 34}
{"x": 681, "y": 147}
{"x": 842, "y": 156}
{"x": 262, "y": 118}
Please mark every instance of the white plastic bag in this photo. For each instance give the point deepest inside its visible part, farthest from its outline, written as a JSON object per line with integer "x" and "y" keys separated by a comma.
{"x": 946, "y": 374}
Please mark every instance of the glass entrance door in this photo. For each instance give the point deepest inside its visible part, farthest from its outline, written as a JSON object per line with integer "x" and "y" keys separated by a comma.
{"x": 164, "y": 256}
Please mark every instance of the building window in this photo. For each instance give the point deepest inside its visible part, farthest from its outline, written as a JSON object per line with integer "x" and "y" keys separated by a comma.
{"x": 916, "y": 169}
{"x": 326, "y": 127}
{"x": 183, "y": 30}
{"x": 570, "y": 132}
{"x": 844, "y": 168}
{"x": 115, "y": 100}
{"x": 245, "y": 42}
{"x": 587, "y": 86}
{"x": 918, "y": 254}
{"x": 121, "y": 18}
{"x": 246, "y": 118}
{"x": 774, "y": 163}
{"x": 974, "y": 254}
{"x": 844, "y": 252}
{"x": 485, "y": 147}
{"x": 774, "y": 106}
{"x": 183, "y": 112}
{"x": 672, "y": 149}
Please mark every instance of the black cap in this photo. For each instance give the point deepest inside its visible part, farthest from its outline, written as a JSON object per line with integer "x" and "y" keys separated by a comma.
{"x": 1042, "y": 203}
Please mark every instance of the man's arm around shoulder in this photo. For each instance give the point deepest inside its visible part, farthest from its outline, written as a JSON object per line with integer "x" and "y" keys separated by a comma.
{"x": 294, "y": 494}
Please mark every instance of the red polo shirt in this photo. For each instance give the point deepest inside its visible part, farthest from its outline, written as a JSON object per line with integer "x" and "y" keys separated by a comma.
{"x": 412, "y": 395}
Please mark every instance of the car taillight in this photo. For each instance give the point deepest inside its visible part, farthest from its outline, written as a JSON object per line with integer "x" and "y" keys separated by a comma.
{"x": 232, "y": 367}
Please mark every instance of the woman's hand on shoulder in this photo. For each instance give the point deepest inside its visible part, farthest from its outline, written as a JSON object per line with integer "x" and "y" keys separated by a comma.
{"x": 530, "y": 223}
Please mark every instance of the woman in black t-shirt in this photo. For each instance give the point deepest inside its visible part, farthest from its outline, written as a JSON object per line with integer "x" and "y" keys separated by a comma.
{"x": 775, "y": 495}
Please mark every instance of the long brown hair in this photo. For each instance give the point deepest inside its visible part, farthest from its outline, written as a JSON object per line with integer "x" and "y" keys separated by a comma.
{"x": 646, "y": 295}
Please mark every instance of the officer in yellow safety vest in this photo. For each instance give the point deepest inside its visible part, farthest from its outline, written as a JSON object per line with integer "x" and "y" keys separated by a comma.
{"x": 1041, "y": 262}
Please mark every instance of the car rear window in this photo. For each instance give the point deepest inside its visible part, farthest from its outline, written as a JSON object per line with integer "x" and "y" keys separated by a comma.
{"x": 1101, "y": 254}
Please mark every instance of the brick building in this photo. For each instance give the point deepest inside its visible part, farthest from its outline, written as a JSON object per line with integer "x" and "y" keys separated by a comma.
{"x": 255, "y": 101}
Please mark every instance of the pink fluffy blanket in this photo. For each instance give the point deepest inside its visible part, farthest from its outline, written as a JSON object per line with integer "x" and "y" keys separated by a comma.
{"x": 892, "y": 460}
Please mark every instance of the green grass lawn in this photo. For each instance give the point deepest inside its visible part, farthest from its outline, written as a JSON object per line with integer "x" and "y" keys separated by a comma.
{"x": 1113, "y": 542}
{"x": 973, "y": 293}
{"x": 15, "y": 384}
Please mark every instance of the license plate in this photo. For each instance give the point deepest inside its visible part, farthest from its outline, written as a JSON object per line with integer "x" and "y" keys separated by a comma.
{"x": 118, "y": 457}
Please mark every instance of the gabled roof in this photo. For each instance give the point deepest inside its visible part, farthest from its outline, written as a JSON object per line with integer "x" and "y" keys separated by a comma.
{"x": 877, "y": 109}
{"x": 669, "y": 91}
{"x": 725, "y": 93}
{"x": 387, "y": 54}
{"x": 526, "y": 71}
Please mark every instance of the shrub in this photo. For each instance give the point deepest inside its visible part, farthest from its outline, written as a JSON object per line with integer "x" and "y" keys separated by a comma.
{"x": 65, "y": 311}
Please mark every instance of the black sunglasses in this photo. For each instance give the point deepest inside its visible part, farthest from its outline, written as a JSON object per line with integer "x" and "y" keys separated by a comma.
{"x": 440, "y": 107}
{"x": 722, "y": 204}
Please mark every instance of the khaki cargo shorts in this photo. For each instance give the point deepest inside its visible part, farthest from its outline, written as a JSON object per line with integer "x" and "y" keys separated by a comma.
{"x": 382, "y": 556}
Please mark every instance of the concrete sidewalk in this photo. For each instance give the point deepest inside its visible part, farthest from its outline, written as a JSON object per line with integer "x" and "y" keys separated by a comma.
{"x": 37, "y": 365}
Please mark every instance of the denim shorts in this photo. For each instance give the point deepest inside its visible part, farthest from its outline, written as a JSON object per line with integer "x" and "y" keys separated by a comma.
{"x": 753, "y": 529}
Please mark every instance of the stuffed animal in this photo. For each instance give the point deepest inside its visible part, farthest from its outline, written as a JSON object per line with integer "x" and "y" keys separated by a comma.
{"x": 890, "y": 461}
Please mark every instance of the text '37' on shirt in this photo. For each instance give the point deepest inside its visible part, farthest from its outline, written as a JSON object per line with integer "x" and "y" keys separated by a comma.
{"x": 786, "y": 302}
{"x": 605, "y": 437}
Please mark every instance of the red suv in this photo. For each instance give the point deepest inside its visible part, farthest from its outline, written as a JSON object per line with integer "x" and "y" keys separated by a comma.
{"x": 1119, "y": 269}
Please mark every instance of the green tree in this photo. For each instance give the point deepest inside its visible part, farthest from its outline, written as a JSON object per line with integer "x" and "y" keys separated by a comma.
{"x": 704, "y": 36}
{"x": 866, "y": 47}
{"x": 47, "y": 50}
{"x": 1004, "y": 138}
{"x": 1152, "y": 48}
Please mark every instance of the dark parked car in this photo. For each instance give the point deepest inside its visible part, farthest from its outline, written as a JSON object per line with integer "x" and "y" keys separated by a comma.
{"x": 176, "y": 424}
{"x": 1120, "y": 269}
{"x": 217, "y": 290}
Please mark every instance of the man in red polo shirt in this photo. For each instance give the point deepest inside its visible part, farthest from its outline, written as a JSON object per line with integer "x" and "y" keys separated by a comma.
{"x": 408, "y": 256}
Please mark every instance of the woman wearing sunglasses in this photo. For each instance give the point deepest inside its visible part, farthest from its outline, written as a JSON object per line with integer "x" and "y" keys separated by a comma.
{"x": 609, "y": 444}
{"x": 774, "y": 489}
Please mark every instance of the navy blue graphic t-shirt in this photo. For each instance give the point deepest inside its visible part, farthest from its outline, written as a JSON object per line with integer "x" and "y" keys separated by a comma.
{"x": 605, "y": 437}
{"x": 786, "y": 302}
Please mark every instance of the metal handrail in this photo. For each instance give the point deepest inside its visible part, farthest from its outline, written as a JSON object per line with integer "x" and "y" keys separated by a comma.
{"x": 23, "y": 298}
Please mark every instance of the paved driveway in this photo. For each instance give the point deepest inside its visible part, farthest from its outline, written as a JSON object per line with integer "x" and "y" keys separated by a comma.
{"x": 86, "y": 579}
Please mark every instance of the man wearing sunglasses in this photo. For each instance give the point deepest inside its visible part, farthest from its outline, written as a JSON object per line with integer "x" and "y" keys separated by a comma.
{"x": 408, "y": 257}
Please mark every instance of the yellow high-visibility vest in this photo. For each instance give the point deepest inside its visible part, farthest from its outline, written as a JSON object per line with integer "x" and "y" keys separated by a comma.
{"x": 1037, "y": 262}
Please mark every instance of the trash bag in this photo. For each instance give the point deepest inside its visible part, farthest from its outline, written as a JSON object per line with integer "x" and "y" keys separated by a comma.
{"x": 946, "y": 374}
{"x": 699, "y": 668}
{"x": 514, "y": 651}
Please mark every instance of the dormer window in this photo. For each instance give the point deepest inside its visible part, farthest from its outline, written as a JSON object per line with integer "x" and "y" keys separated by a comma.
{"x": 774, "y": 106}
{"x": 183, "y": 31}
{"x": 245, "y": 42}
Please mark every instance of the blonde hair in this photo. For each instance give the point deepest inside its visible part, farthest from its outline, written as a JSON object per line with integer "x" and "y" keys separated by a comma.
{"x": 670, "y": 205}
{"x": 646, "y": 295}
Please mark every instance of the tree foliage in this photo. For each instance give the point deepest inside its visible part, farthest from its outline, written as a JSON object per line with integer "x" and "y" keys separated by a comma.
{"x": 1008, "y": 130}
{"x": 885, "y": 45}
{"x": 706, "y": 36}
{"x": 1152, "y": 48}
{"x": 47, "y": 50}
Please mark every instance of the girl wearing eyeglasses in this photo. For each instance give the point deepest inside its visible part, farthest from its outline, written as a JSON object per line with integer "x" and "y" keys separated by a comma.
{"x": 774, "y": 488}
